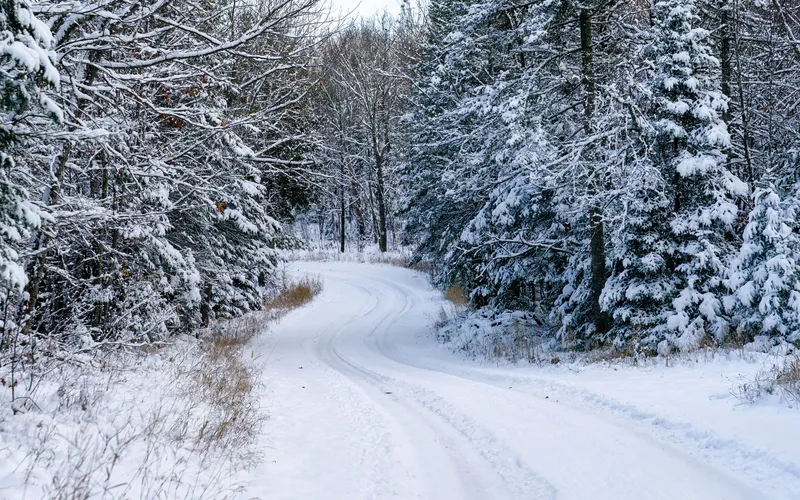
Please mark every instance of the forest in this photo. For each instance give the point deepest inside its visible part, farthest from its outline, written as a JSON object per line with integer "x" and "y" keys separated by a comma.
{"x": 626, "y": 171}
{"x": 583, "y": 180}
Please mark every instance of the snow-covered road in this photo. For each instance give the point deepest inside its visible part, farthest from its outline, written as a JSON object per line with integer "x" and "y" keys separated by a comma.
{"x": 364, "y": 405}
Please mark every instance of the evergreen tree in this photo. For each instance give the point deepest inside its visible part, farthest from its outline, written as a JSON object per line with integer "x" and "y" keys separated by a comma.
{"x": 26, "y": 65}
{"x": 639, "y": 292}
{"x": 766, "y": 272}
{"x": 690, "y": 137}
{"x": 438, "y": 130}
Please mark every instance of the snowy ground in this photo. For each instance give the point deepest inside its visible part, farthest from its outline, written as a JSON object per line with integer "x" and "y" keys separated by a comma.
{"x": 365, "y": 405}
{"x": 128, "y": 426}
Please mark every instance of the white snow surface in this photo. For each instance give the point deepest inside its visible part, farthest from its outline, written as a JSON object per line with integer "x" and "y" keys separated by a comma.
{"x": 124, "y": 429}
{"x": 364, "y": 404}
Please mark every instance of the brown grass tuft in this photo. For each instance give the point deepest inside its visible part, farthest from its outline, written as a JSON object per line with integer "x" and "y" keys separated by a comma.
{"x": 782, "y": 380}
{"x": 788, "y": 379}
{"x": 456, "y": 295}
{"x": 294, "y": 295}
{"x": 225, "y": 380}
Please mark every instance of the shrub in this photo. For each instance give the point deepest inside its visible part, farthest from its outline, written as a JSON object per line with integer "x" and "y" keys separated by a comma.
{"x": 781, "y": 379}
{"x": 293, "y": 295}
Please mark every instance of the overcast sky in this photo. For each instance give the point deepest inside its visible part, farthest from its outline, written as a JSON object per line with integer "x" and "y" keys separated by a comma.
{"x": 366, "y": 7}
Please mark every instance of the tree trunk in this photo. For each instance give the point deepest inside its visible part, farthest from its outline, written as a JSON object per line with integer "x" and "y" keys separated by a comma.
{"x": 342, "y": 220}
{"x": 746, "y": 138}
{"x": 587, "y": 66}
{"x": 358, "y": 213}
{"x": 205, "y": 306}
{"x": 725, "y": 58}
{"x": 321, "y": 224}
{"x": 372, "y": 214}
{"x": 597, "y": 246}
{"x": 599, "y": 272}
{"x": 378, "y": 153}
{"x": 729, "y": 34}
{"x": 379, "y": 198}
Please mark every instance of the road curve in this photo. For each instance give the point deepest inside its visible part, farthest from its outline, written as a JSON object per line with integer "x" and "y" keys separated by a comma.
{"x": 364, "y": 405}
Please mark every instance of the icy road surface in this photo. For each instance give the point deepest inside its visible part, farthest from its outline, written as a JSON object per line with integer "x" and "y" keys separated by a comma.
{"x": 364, "y": 404}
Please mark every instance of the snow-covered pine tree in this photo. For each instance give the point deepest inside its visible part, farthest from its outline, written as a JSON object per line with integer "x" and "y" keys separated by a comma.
{"x": 438, "y": 140}
{"x": 508, "y": 249}
{"x": 26, "y": 65}
{"x": 765, "y": 278}
{"x": 690, "y": 137}
{"x": 639, "y": 291}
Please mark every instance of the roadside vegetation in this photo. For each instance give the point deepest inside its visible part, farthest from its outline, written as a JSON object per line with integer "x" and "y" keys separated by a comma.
{"x": 780, "y": 379}
{"x": 173, "y": 420}
{"x": 505, "y": 336}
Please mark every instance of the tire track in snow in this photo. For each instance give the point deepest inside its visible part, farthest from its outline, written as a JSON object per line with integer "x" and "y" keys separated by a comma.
{"x": 715, "y": 449}
{"x": 521, "y": 482}
{"x": 378, "y": 446}
{"x": 445, "y": 410}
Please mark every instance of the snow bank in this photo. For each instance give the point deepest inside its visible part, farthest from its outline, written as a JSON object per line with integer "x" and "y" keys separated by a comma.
{"x": 122, "y": 425}
{"x": 504, "y": 336}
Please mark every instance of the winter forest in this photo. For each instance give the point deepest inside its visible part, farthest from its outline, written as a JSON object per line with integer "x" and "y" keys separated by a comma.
{"x": 624, "y": 175}
{"x": 626, "y": 171}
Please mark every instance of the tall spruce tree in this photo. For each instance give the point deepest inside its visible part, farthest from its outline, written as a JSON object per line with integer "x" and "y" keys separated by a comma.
{"x": 438, "y": 132}
{"x": 690, "y": 136}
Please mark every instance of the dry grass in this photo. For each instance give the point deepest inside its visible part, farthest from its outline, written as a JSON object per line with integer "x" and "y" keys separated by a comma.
{"x": 165, "y": 424}
{"x": 294, "y": 295}
{"x": 524, "y": 345}
{"x": 788, "y": 379}
{"x": 458, "y": 302}
{"x": 782, "y": 380}
{"x": 175, "y": 421}
{"x": 457, "y": 296}
{"x": 224, "y": 379}
{"x": 630, "y": 351}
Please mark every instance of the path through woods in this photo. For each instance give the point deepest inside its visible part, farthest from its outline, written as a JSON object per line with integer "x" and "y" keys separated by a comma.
{"x": 365, "y": 405}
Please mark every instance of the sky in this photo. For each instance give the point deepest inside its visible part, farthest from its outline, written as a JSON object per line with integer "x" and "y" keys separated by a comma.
{"x": 366, "y": 7}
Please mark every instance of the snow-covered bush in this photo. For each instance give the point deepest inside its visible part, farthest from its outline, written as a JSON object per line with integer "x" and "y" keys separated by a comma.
{"x": 486, "y": 333}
